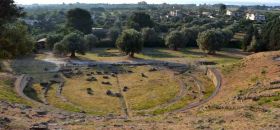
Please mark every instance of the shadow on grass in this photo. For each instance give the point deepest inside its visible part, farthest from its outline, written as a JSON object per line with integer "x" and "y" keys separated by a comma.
{"x": 31, "y": 93}
{"x": 156, "y": 53}
{"x": 229, "y": 54}
{"x": 194, "y": 53}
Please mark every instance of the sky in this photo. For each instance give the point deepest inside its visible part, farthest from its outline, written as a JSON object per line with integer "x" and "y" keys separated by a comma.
{"x": 235, "y": 2}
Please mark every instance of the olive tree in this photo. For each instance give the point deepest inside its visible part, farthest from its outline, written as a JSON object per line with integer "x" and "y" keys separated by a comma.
{"x": 71, "y": 43}
{"x": 190, "y": 36}
{"x": 15, "y": 41}
{"x": 174, "y": 40}
{"x": 130, "y": 41}
{"x": 210, "y": 41}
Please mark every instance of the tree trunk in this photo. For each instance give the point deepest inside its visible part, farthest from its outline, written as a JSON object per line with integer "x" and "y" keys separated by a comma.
{"x": 131, "y": 54}
{"x": 212, "y": 52}
{"x": 73, "y": 54}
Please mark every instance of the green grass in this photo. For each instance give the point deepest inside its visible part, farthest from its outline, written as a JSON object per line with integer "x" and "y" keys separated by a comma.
{"x": 226, "y": 56}
{"x": 57, "y": 102}
{"x": 179, "y": 104}
{"x": 34, "y": 94}
{"x": 7, "y": 93}
{"x": 158, "y": 88}
{"x": 273, "y": 101}
{"x": 99, "y": 103}
{"x": 184, "y": 101}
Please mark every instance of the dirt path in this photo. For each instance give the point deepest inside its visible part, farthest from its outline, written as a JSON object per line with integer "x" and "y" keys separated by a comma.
{"x": 218, "y": 77}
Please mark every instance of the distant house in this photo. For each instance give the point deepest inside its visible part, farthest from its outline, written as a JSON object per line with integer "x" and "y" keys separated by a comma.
{"x": 174, "y": 13}
{"x": 206, "y": 13}
{"x": 41, "y": 43}
{"x": 234, "y": 13}
{"x": 255, "y": 17}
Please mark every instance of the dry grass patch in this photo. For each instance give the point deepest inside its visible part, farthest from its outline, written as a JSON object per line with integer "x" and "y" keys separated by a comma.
{"x": 75, "y": 91}
{"x": 147, "y": 92}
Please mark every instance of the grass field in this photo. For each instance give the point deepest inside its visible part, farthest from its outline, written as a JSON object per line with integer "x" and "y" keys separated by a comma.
{"x": 226, "y": 56}
{"x": 7, "y": 93}
{"x": 145, "y": 93}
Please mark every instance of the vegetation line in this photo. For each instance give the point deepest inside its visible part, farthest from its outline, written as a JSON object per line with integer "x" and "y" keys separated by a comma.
{"x": 122, "y": 99}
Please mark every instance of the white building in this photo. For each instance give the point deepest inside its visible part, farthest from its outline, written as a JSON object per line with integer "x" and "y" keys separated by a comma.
{"x": 174, "y": 13}
{"x": 234, "y": 13}
{"x": 229, "y": 12}
{"x": 206, "y": 13}
{"x": 255, "y": 17}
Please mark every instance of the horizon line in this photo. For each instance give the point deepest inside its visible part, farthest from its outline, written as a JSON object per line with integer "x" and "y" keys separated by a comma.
{"x": 226, "y": 3}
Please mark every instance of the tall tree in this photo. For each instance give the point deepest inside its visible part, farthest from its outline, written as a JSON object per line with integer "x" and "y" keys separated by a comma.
{"x": 9, "y": 11}
{"x": 80, "y": 19}
{"x": 139, "y": 20}
{"x": 130, "y": 42}
{"x": 248, "y": 37}
{"x": 271, "y": 34}
{"x": 223, "y": 8}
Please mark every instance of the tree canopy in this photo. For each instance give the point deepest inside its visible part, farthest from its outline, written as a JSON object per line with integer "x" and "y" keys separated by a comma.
{"x": 130, "y": 42}
{"x": 223, "y": 8}
{"x": 9, "y": 11}
{"x": 190, "y": 36}
{"x": 140, "y": 20}
{"x": 174, "y": 40}
{"x": 271, "y": 34}
{"x": 210, "y": 41}
{"x": 71, "y": 43}
{"x": 151, "y": 38}
{"x": 15, "y": 41}
{"x": 79, "y": 19}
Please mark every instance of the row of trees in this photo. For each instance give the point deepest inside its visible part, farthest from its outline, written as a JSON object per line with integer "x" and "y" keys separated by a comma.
{"x": 262, "y": 38}
{"x": 132, "y": 40}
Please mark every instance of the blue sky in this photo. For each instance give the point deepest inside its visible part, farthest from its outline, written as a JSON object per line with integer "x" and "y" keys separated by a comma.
{"x": 238, "y": 2}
